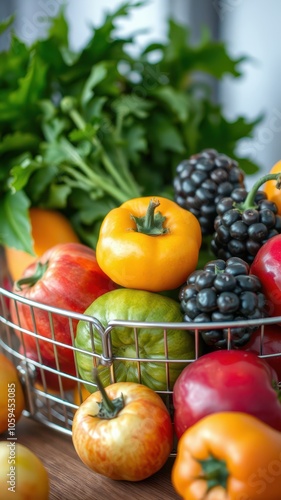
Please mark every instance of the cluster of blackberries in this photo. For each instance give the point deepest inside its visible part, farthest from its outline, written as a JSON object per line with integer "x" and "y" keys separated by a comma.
{"x": 241, "y": 231}
{"x": 223, "y": 291}
{"x": 211, "y": 186}
{"x": 202, "y": 181}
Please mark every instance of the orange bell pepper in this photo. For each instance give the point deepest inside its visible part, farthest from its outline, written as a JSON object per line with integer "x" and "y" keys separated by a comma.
{"x": 146, "y": 248}
{"x": 228, "y": 456}
{"x": 48, "y": 228}
{"x": 272, "y": 190}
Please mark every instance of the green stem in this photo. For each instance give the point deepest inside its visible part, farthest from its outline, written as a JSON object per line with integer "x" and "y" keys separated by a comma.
{"x": 136, "y": 191}
{"x": 151, "y": 223}
{"x": 277, "y": 390}
{"x": 215, "y": 472}
{"x": 106, "y": 186}
{"x": 108, "y": 408}
{"x": 68, "y": 106}
{"x": 32, "y": 280}
{"x": 250, "y": 200}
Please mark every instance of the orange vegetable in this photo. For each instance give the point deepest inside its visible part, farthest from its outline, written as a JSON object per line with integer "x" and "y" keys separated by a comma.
{"x": 12, "y": 401}
{"x": 228, "y": 456}
{"x": 146, "y": 248}
{"x": 273, "y": 193}
{"x": 80, "y": 393}
{"x": 48, "y": 228}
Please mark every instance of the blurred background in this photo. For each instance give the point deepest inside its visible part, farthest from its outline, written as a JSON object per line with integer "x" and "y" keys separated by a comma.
{"x": 249, "y": 28}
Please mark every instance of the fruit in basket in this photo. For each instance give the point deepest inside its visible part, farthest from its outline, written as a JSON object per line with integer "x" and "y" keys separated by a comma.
{"x": 223, "y": 291}
{"x": 48, "y": 228}
{"x": 228, "y": 456}
{"x": 67, "y": 277}
{"x": 267, "y": 266}
{"x": 267, "y": 343}
{"x": 202, "y": 180}
{"x": 245, "y": 221}
{"x": 80, "y": 393}
{"x": 123, "y": 432}
{"x": 147, "y": 343}
{"x": 226, "y": 380}
{"x": 12, "y": 401}
{"x": 143, "y": 247}
{"x": 272, "y": 192}
{"x": 46, "y": 380}
{"x": 22, "y": 474}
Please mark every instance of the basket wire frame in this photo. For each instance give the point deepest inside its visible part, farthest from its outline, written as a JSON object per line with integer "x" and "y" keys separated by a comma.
{"x": 56, "y": 409}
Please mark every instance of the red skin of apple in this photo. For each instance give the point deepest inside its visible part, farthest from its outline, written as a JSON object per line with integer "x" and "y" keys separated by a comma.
{"x": 69, "y": 279}
{"x": 226, "y": 380}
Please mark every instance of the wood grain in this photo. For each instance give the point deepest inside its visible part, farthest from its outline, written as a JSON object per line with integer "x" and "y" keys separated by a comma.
{"x": 71, "y": 480}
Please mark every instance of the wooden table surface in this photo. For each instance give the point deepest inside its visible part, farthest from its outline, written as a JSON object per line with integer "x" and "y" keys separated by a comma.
{"x": 70, "y": 479}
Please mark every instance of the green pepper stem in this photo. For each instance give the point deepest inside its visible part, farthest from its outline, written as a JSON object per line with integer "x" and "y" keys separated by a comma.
{"x": 215, "y": 472}
{"x": 277, "y": 390}
{"x": 36, "y": 276}
{"x": 108, "y": 408}
{"x": 250, "y": 200}
{"x": 151, "y": 223}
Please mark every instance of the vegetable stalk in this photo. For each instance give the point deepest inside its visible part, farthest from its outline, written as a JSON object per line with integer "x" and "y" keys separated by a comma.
{"x": 127, "y": 184}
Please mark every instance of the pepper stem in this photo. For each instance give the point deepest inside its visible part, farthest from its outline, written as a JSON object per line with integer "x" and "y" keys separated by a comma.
{"x": 277, "y": 390}
{"x": 215, "y": 472}
{"x": 151, "y": 223}
{"x": 108, "y": 408}
{"x": 32, "y": 280}
{"x": 250, "y": 200}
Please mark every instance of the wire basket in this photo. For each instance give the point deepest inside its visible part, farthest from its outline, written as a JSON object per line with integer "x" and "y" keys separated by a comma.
{"x": 56, "y": 408}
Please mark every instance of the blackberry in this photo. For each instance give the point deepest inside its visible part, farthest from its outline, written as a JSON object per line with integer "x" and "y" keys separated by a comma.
{"x": 244, "y": 222}
{"x": 204, "y": 179}
{"x": 223, "y": 291}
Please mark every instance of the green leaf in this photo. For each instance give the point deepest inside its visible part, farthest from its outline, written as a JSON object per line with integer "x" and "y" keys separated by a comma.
{"x": 53, "y": 129}
{"x": 132, "y": 105}
{"x": 31, "y": 86}
{"x": 87, "y": 133}
{"x": 15, "y": 226}
{"x": 20, "y": 174}
{"x": 59, "y": 29}
{"x": 40, "y": 182}
{"x": 97, "y": 75}
{"x": 165, "y": 135}
{"x": 136, "y": 142}
{"x": 177, "y": 101}
{"x": 19, "y": 141}
{"x": 57, "y": 196}
{"x": 4, "y": 25}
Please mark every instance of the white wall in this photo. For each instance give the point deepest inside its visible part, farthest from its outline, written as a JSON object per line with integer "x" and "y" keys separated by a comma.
{"x": 252, "y": 27}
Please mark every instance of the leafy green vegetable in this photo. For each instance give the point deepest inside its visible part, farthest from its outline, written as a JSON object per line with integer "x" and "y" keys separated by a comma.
{"x": 83, "y": 131}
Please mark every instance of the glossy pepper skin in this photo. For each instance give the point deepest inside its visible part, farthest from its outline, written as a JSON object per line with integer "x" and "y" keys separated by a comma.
{"x": 149, "y": 244}
{"x": 228, "y": 456}
{"x": 267, "y": 267}
{"x": 226, "y": 380}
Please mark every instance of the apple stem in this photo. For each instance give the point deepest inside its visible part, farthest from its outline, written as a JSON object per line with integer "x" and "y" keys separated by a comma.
{"x": 108, "y": 408}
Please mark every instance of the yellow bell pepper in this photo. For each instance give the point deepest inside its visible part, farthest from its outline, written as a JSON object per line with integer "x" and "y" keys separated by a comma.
{"x": 146, "y": 248}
